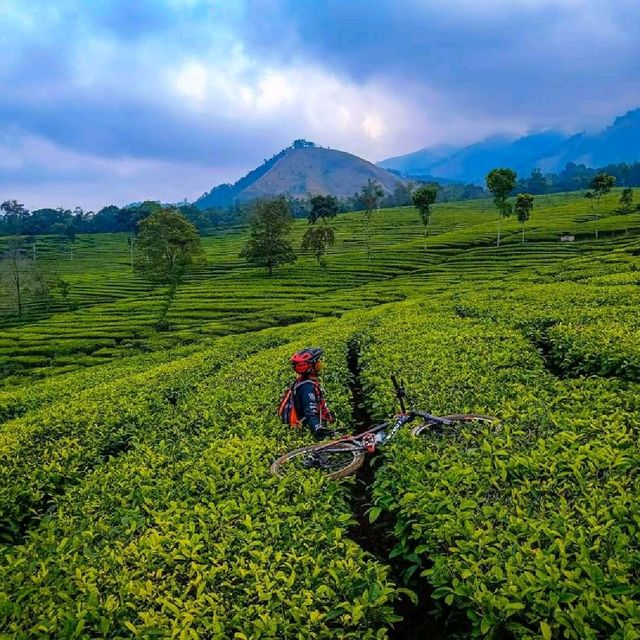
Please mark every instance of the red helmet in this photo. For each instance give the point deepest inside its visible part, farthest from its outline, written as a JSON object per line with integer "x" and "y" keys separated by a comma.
{"x": 305, "y": 360}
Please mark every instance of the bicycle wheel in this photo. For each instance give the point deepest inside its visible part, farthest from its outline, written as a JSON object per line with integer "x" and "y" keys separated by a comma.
{"x": 334, "y": 460}
{"x": 457, "y": 420}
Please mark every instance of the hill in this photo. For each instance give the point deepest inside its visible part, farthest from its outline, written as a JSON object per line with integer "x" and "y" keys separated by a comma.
{"x": 300, "y": 170}
{"x": 547, "y": 150}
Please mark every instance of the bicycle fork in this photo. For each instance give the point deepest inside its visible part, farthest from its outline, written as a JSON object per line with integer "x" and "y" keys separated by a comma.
{"x": 369, "y": 442}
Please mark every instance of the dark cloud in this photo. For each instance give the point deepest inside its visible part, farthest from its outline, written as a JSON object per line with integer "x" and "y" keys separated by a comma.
{"x": 119, "y": 127}
{"x": 536, "y": 59}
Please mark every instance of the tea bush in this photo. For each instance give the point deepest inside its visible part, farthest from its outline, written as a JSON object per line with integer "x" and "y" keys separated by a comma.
{"x": 602, "y": 347}
{"x": 112, "y": 313}
{"x": 529, "y": 528}
{"x": 48, "y": 449}
{"x": 187, "y": 532}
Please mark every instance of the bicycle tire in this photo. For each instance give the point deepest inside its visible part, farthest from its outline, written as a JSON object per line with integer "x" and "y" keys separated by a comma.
{"x": 424, "y": 428}
{"x": 353, "y": 458}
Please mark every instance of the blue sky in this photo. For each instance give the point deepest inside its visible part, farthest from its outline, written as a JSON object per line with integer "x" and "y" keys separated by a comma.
{"x": 116, "y": 101}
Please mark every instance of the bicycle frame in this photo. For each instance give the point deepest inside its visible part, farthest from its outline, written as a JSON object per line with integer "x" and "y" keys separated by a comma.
{"x": 381, "y": 433}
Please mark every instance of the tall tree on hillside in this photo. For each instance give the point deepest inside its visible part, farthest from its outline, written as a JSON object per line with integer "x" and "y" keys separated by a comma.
{"x": 168, "y": 244}
{"x": 268, "y": 244}
{"x": 320, "y": 235}
{"x": 422, "y": 199}
{"x": 369, "y": 197}
{"x": 600, "y": 185}
{"x": 318, "y": 239}
{"x": 626, "y": 205}
{"x": 501, "y": 182}
{"x": 626, "y": 201}
{"x": 523, "y": 208}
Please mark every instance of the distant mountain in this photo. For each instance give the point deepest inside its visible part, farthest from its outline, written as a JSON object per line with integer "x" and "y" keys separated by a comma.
{"x": 420, "y": 159}
{"x": 299, "y": 170}
{"x": 547, "y": 150}
{"x": 619, "y": 142}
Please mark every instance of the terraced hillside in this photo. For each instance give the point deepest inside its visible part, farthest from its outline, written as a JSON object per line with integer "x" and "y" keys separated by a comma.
{"x": 135, "y": 497}
{"x": 111, "y": 313}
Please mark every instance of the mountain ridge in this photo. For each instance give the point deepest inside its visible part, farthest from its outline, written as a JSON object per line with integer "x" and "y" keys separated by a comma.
{"x": 548, "y": 150}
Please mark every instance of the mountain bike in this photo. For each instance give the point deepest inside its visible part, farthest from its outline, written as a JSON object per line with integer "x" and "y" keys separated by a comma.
{"x": 346, "y": 455}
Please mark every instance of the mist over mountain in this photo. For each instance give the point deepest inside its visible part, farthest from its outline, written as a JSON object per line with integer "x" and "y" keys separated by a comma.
{"x": 300, "y": 170}
{"x": 549, "y": 151}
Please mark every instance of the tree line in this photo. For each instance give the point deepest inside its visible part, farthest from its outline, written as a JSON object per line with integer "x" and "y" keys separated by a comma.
{"x": 576, "y": 177}
{"x": 16, "y": 219}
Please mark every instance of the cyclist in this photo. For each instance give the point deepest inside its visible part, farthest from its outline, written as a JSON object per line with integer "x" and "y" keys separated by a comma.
{"x": 308, "y": 396}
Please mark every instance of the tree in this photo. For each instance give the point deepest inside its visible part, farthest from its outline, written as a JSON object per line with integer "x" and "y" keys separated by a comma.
{"x": 501, "y": 182}
{"x": 422, "y": 199}
{"x": 268, "y": 244}
{"x": 626, "y": 200}
{"x": 322, "y": 208}
{"x": 320, "y": 235}
{"x": 318, "y": 239}
{"x": 600, "y": 185}
{"x": 21, "y": 279}
{"x": 523, "y": 208}
{"x": 167, "y": 246}
{"x": 369, "y": 197}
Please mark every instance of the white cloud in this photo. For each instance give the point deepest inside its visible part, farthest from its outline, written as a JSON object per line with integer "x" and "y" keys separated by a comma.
{"x": 299, "y": 100}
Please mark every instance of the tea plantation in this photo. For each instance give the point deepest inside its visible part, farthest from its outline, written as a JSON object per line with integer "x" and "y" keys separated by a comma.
{"x": 135, "y": 494}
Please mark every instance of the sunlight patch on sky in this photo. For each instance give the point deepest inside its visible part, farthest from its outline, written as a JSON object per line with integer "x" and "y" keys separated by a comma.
{"x": 191, "y": 82}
